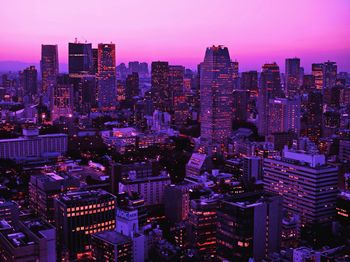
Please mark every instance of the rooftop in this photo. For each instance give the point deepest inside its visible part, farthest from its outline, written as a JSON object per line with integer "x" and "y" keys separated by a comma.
{"x": 112, "y": 237}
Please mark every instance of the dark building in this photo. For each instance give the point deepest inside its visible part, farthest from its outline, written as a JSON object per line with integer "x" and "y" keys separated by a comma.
{"x": 216, "y": 86}
{"x": 78, "y": 215}
{"x": 249, "y": 226}
{"x": 132, "y": 86}
{"x": 240, "y": 100}
{"x": 177, "y": 202}
{"x": 80, "y": 60}
{"x": 49, "y": 71}
{"x": 314, "y": 115}
{"x": 249, "y": 81}
{"x": 44, "y": 188}
{"x": 30, "y": 81}
{"x": 106, "y": 75}
{"x": 9, "y": 211}
{"x": 111, "y": 246}
{"x": 292, "y": 75}
{"x": 329, "y": 74}
{"x": 94, "y": 61}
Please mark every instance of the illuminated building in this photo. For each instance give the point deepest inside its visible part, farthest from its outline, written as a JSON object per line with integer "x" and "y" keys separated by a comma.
{"x": 111, "y": 246}
{"x": 318, "y": 74}
{"x": 216, "y": 86}
{"x": 344, "y": 150}
{"x": 235, "y": 75}
{"x": 292, "y": 75}
{"x": 33, "y": 146}
{"x": 106, "y": 75}
{"x": 43, "y": 188}
{"x": 49, "y": 71}
{"x": 202, "y": 226}
{"x": 9, "y": 211}
{"x": 62, "y": 105}
{"x": 94, "y": 60}
{"x": 78, "y": 215}
{"x": 269, "y": 88}
{"x": 307, "y": 183}
{"x": 343, "y": 213}
{"x": 177, "y": 202}
{"x": 161, "y": 93}
{"x": 252, "y": 168}
{"x": 249, "y": 226}
{"x": 80, "y": 60}
{"x": 284, "y": 115}
{"x": 196, "y": 165}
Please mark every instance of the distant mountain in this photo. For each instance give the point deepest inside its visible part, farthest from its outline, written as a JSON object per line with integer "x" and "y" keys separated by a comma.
{"x": 15, "y": 66}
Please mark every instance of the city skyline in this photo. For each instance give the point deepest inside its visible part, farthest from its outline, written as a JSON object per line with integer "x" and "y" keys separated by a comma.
{"x": 149, "y": 34}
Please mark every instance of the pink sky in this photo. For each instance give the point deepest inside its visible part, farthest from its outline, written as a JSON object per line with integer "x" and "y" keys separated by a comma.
{"x": 256, "y": 31}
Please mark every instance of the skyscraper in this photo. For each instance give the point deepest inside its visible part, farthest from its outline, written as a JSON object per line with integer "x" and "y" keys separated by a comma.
{"x": 269, "y": 88}
{"x": 329, "y": 74}
{"x": 292, "y": 76}
{"x": 132, "y": 86}
{"x": 49, "y": 71}
{"x": 80, "y": 58}
{"x": 161, "y": 93}
{"x": 216, "y": 86}
{"x": 249, "y": 81}
{"x": 106, "y": 75}
{"x": 30, "y": 82}
{"x": 62, "y": 105}
{"x": 317, "y": 72}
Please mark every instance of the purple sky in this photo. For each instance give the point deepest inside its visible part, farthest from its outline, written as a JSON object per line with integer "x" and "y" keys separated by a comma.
{"x": 256, "y": 31}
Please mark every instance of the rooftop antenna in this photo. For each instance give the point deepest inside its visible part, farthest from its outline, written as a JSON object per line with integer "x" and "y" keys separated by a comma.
{"x": 76, "y": 40}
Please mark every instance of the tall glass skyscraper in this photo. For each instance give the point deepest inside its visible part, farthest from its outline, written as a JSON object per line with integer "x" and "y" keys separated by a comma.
{"x": 80, "y": 58}
{"x": 106, "y": 75}
{"x": 292, "y": 76}
{"x": 49, "y": 71}
{"x": 216, "y": 86}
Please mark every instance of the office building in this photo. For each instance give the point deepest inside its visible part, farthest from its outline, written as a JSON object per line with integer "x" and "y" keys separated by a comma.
{"x": 318, "y": 74}
{"x": 160, "y": 91}
{"x": 252, "y": 168}
{"x": 314, "y": 117}
{"x": 49, "y": 71}
{"x": 240, "y": 99}
{"x": 216, "y": 86}
{"x": 30, "y": 82}
{"x": 249, "y": 82}
{"x": 329, "y": 74}
{"x": 62, "y": 104}
{"x": 249, "y": 226}
{"x": 80, "y": 60}
{"x": 78, "y": 215}
{"x": 177, "y": 202}
{"x": 111, "y": 246}
{"x": 32, "y": 146}
{"x": 307, "y": 183}
{"x": 269, "y": 88}
{"x": 44, "y": 188}
{"x": 132, "y": 88}
{"x": 202, "y": 226}
{"x": 9, "y": 211}
{"x": 292, "y": 75}
{"x": 284, "y": 115}
{"x": 106, "y": 75}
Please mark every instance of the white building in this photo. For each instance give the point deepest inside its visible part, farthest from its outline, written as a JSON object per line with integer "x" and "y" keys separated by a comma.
{"x": 33, "y": 146}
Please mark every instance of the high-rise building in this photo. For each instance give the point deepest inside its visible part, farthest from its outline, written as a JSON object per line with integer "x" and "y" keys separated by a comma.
{"x": 329, "y": 74}
{"x": 132, "y": 86}
{"x": 292, "y": 75}
{"x": 80, "y": 60}
{"x": 94, "y": 61}
{"x": 216, "y": 86}
{"x": 240, "y": 100}
{"x": 78, "y": 215}
{"x": 106, "y": 75}
{"x": 43, "y": 188}
{"x": 235, "y": 75}
{"x": 82, "y": 77}
{"x": 314, "y": 115}
{"x": 62, "y": 105}
{"x": 269, "y": 88}
{"x": 9, "y": 211}
{"x": 49, "y": 71}
{"x": 249, "y": 81}
{"x": 307, "y": 183}
{"x": 161, "y": 93}
{"x": 249, "y": 226}
{"x": 318, "y": 73}
{"x": 252, "y": 168}
{"x": 284, "y": 115}
{"x": 30, "y": 82}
